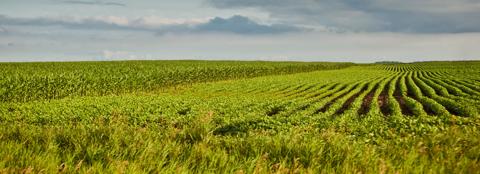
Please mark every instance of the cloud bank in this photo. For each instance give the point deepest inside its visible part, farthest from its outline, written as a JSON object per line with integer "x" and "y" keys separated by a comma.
{"x": 309, "y": 30}
{"x": 425, "y": 16}
{"x": 95, "y": 3}
{"x": 236, "y": 24}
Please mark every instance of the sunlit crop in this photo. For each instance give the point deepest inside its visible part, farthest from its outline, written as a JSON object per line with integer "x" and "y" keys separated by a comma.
{"x": 240, "y": 117}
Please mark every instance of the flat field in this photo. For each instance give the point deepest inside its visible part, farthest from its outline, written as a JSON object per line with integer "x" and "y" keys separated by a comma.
{"x": 239, "y": 117}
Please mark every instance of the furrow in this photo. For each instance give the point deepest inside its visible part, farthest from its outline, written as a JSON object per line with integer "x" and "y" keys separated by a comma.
{"x": 366, "y": 102}
{"x": 349, "y": 101}
{"x": 340, "y": 95}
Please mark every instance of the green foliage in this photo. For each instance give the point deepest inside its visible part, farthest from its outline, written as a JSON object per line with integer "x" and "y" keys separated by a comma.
{"x": 239, "y": 117}
{"x": 22, "y": 82}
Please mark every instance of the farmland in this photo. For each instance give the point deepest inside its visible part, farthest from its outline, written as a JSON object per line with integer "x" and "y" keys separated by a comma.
{"x": 240, "y": 117}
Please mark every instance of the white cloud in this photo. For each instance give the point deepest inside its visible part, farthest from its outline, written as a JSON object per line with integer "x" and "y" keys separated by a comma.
{"x": 155, "y": 21}
{"x": 151, "y": 22}
{"x": 109, "y": 55}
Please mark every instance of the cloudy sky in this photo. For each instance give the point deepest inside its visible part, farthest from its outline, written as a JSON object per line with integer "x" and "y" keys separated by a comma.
{"x": 304, "y": 30}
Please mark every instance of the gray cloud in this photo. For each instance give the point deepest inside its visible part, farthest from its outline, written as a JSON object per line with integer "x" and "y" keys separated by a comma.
{"x": 68, "y": 22}
{"x": 94, "y": 3}
{"x": 235, "y": 24}
{"x": 426, "y": 16}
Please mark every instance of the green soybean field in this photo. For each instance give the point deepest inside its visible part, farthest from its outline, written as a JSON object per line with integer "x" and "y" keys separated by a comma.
{"x": 239, "y": 117}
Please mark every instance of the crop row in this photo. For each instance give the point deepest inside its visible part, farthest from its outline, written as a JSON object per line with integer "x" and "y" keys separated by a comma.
{"x": 22, "y": 82}
{"x": 322, "y": 94}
